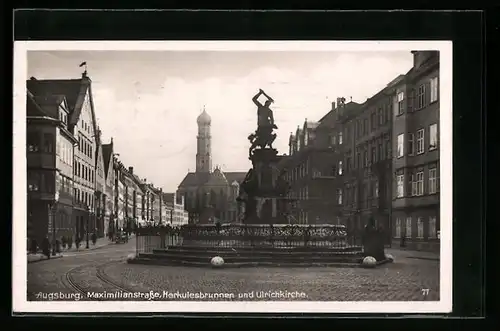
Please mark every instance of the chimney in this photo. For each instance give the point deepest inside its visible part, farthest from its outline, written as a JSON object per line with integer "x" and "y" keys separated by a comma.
{"x": 32, "y": 78}
{"x": 145, "y": 180}
{"x": 333, "y": 105}
{"x": 131, "y": 170}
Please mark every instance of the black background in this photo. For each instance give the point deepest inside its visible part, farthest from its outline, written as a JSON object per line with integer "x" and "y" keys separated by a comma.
{"x": 465, "y": 29}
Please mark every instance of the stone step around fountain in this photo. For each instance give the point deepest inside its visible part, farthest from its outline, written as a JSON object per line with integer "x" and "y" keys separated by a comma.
{"x": 299, "y": 257}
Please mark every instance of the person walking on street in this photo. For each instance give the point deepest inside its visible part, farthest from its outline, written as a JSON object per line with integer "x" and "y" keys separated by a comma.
{"x": 46, "y": 247}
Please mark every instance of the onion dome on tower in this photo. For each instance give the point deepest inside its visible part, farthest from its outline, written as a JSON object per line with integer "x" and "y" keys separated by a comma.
{"x": 204, "y": 118}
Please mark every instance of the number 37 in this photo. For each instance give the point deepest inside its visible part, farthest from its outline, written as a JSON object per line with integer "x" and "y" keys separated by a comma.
{"x": 425, "y": 291}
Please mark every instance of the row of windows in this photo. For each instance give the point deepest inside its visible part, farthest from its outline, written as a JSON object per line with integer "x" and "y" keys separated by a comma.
{"x": 416, "y": 142}
{"x": 298, "y": 172}
{"x": 370, "y": 189}
{"x": 65, "y": 151}
{"x": 300, "y": 194}
{"x": 426, "y": 91}
{"x": 405, "y": 229}
{"x": 366, "y": 125}
{"x": 368, "y": 154}
{"x": 83, "y": 171}
{"x": 84, "y": 197}
{"x": 416, "y": 183}
{"x": 40, "y": 143}
{"x": 86, "y": 126}
{"x": 63, "y": 117}
{"x": 85, "y": 146}
{"x": 39, "y": 181}
{"x": 64, "y": 184}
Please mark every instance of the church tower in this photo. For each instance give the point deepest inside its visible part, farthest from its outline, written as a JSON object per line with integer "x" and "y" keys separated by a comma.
{"x": 204, "y": 146}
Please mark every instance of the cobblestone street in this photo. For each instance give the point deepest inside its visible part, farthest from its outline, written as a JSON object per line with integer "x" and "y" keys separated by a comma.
{"x": 403, "y": 280}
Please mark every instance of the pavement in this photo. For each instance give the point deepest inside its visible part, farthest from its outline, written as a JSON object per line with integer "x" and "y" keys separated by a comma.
{"x": 412, "y": 254}
{"x": 100, "y": 243}
{"x": 403, "y": 280}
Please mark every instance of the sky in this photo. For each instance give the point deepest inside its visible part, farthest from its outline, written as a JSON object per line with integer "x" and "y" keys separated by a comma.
{"x": 148, "y": 101}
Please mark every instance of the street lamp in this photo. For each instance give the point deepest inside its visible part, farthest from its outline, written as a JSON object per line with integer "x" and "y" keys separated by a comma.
{"x": 54, "y": 208}
{"x": 88, "y": 217}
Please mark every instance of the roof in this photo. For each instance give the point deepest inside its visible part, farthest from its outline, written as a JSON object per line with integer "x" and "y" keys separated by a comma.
{"x": 72, "y": 89}
{"x": 217, "y": 178}
{"x": 311, "y": 125}
{"x": 204, "y": 118}
{"x": 202, "y": 178}
{"x": 107, "y": 151}
{"x": 168, "y": 197}
{"x": 33, "y": 108}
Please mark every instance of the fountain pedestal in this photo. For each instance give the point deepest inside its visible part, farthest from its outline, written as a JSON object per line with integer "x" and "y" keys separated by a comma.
{"x": 264, "y": 196}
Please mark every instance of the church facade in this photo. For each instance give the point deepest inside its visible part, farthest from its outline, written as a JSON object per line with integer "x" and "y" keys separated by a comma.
{"x": 210, "y": 193}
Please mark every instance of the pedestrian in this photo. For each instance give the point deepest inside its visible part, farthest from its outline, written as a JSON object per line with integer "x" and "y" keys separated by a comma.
{"x": 46, "y": 247}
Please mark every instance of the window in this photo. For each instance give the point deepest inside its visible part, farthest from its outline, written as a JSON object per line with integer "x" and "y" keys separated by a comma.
{"x": 398, "y": 228}
{"x": 401, "y": 139}
{"x": 420, "y": 227}
{"x": 433, "y": 136}
{"x": 375, "y": 188}
{"x": 358, "y": 160}
{"x": 432, "y": 227}
{"x": 339, "y": 196}
{"x": 32, "y": 142}
{"x": 420, "y": 141}
{"x": 365, "y": 153}
{"x": 408, "y": 227}
{"x": 33, "y": 181}
{"x": 340, "y": 138}
{"x": 340, "y": 167}
{"x": 380, "y": 117}
{"x": 411, "y": 143}
{"x": 413, "y": 184}
{"x": 365, "y": 126}
{"x": 421, "y": 97}
{"x": 434, "y": 89}
{"x": 333, "y": 140}
{"x": 400, "y": 106}
{"x": 388, "y": 149}
{"x": 411, "y": 100}
{"x": 400, "y": 186}
{"x": 48, "y": 142}
{"x": 380, "y": 151}
{"x": 373, "y": 120}
{"x": 433, "y": 181}
{"x": 374, "y": 154}
{"x": 420, "y": 183}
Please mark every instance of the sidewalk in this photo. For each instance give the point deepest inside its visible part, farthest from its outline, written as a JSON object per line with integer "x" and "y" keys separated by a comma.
{"x": 40, "y": 257}
{"x": 100, "y": 243}
{"x": 412, "y": 254}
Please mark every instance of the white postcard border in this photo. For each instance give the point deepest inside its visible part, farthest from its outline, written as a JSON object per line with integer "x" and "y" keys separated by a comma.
{"x": 19, "y": 261}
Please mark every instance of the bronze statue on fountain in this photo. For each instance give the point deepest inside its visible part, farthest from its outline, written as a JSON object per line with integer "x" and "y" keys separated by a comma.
{"x": 264, "y": 189}
{"x": 263, "y": 136}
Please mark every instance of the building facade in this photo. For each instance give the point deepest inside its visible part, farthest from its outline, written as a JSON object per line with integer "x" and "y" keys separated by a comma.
{"x": 416, "y": 200}
{"x": 177, "y": 214}
{"x": 50, "y": 154}
{"x": 209, "y": 194}
{"x": 311, "y": 169}
{"x": 100, "y": 188}
{"x": 108, "y": 157}
{"x": 364, "y": 164}
{"x": 82, "y": 125}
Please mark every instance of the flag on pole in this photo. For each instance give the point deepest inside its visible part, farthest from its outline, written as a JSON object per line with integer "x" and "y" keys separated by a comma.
{"x": 83, "y": 64}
